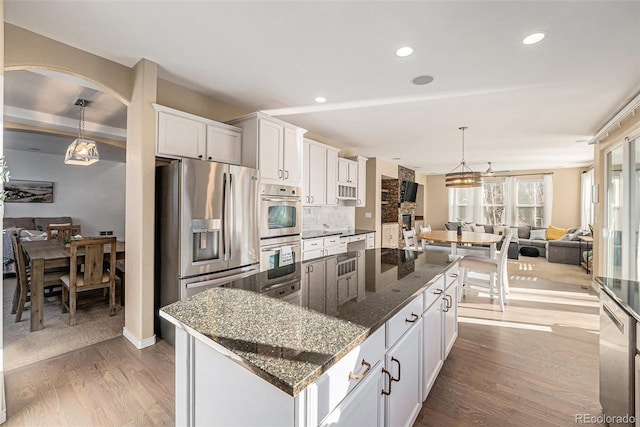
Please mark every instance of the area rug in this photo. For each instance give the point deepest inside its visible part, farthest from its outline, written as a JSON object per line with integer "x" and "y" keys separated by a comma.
{"x": 22, "y": 347}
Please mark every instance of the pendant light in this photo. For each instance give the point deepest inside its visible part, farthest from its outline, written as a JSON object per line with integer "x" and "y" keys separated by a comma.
{"x": 462, "y": 176}
{"x": 81, "y": 152}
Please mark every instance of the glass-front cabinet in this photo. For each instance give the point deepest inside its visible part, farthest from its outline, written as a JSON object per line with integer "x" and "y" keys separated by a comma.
{"x": 622, "y": 211}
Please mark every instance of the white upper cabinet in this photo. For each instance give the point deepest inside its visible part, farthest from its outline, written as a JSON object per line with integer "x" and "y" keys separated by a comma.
{"x": 272, "y": 146}
{"x": 319, "y": 176}
{"x": 361, "y": 180}
{"x": 347, "y": 171}
{"x": 182, "y": 134}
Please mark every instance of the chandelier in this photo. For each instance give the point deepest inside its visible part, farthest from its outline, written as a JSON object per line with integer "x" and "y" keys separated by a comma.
{"x": 81, "y": 152}
{"x": 462, "y": 176}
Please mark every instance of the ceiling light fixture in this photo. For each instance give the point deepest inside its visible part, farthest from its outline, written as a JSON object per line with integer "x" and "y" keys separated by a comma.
{"x": 490, "y": 170}
{"x": 404, "y": 51}
{"x": 81, "y": 152}
{"x": 464, "y": 177}
{"x": 422, "y": 80}
{"x": 534, "y": 38}
{"x": 320, "y": 99}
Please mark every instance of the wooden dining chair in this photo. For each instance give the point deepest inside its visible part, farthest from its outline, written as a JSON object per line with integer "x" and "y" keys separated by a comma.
{"x": 61, "y": 232}
{"x": 52, "y": 282}
{"x": 97, "y": 274}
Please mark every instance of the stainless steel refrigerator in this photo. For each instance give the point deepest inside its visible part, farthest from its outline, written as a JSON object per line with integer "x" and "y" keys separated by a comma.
{"x": 206, "y": 229}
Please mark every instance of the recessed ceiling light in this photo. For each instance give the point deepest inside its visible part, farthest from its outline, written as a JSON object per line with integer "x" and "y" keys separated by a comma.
{"x": 395, "y": 158}
{"x": 534, "y": 38}
{"x": 422, "y": 80}
{"x": 580, "y": 141}
{"x": 321, "y": 99}
{"x": 404, "y": 51}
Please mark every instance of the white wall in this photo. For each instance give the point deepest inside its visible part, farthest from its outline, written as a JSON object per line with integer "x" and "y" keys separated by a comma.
{"x": 93, "y": 196}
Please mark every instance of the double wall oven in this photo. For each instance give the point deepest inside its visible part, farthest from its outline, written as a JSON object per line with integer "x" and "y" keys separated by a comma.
{"x": 280, "y": 227}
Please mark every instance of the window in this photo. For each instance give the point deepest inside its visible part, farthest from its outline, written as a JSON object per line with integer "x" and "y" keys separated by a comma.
{"x": 503, "y": 201}
{"x": 530, "y": 202}
{"x": 493, "y": 202}
{"x": 586, "y": 200}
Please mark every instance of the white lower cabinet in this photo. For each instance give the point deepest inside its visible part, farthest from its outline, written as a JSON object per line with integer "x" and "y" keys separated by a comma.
{"x": 432, "y": 349}
{"x": 403, "y": 385}
{"x": 450, "y": 311}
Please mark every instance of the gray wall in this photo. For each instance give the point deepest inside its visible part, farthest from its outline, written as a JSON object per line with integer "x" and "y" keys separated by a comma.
{"x": 92, "y": 195}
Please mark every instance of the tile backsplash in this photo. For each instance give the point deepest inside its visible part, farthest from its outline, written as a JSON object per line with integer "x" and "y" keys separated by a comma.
{"x": 328, "y": 218}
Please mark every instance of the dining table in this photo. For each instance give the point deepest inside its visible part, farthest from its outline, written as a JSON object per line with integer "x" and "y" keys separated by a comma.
{"x": 43, "y": 254}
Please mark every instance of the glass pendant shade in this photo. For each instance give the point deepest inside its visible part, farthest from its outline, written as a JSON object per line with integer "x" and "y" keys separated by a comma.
{"x": 82, "y": 152}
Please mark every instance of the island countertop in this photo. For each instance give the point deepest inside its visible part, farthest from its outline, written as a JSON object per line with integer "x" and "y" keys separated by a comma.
{"x": 290, "y": 342}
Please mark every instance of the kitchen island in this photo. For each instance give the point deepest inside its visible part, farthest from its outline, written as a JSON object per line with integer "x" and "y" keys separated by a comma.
{"x": 356, "y": 338}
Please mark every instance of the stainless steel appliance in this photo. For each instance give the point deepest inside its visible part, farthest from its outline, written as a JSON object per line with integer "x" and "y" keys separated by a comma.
{"x": 206, "y": 227}
{"x": 617, "y": 344}
{"x": 270, "y": 251}
{"x": 280, "y": 211}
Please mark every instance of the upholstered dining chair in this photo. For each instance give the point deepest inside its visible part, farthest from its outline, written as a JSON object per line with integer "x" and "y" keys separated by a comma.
{"x": 496, "y": 267}
{"x": 22, "y": 295}
{"x": 61, "y": 232}
{"x": 97, "y": 274}
{"x": 410, "y": 240}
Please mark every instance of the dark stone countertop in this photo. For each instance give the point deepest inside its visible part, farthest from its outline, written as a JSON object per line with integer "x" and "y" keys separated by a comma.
{"x": 290, "y": 336}
{"x": 312, "y": 234}
{"x": 624, "y": 292}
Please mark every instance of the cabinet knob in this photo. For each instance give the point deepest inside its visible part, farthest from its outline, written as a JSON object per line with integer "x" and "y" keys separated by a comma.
{"x": 200, "y": 156}
{"x": 209, "y": 157}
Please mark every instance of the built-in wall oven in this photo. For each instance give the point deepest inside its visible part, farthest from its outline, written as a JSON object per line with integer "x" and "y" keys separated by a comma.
{"x": 280, "y": 211}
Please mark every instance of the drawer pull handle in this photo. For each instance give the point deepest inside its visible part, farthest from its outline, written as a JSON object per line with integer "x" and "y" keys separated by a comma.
{"x": 367, "y": 366}
{"x": 388, "y": 374}
{"x": 437, "y": 292}
{"x": 449, "y": 300}
{"x": 393, "y": 359}
{"x": 414, "y": 318}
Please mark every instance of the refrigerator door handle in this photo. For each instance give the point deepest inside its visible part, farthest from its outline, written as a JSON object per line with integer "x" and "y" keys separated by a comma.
{"x": 230, "y": 214}
{"x": 222, "y": 280}
{"x": 224, "y": 216}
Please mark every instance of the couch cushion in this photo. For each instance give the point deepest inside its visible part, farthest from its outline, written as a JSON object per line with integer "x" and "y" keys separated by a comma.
{"x": 554, "y": 233}
{"x": 538, "y": 234}
{"x": 19, "y": 222}
{"x": 42, "y": 222}
{"x": 478, "y": 228}
{"x": 524, "y": 232}
{"x": 451, "y": 226}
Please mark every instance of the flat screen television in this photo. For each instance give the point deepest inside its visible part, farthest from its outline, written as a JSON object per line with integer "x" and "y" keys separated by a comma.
{"x": 408, "y": 192}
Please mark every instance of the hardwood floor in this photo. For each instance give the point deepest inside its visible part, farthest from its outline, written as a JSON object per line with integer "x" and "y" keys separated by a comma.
{"x": 106, "y": 384}
{"x": 536, "y": 364}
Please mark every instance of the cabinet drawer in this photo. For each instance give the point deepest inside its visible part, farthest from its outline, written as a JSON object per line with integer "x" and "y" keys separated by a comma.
{"x": 357, "y": 238}
{"x": 312, "y": 244}
{"x": 335, "y": 384}
{"x": 331, "y": 241}
{"x": 403, "y": 320}
{"x": 451, "y": 276}
{"x": 434, "y": 292}
{"x": 313, "y": 253}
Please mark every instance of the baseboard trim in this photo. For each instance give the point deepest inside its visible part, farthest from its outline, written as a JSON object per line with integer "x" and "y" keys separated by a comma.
{"x": 3, "y": 403}
{"x": 139, "y": 344}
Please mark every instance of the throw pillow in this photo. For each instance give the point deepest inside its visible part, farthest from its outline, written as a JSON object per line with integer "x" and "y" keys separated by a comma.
{"x": 468, "y": 227}
{"x": 538, "y": 234}
{"x": 477, "y": 228}
{"x": 554, "y": 233}
{"x": 32, "y": 235}
{"x": 514, "y": 234}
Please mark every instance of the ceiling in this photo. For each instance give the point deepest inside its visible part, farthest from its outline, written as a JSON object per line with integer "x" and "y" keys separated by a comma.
{"x": 526, "y": 107}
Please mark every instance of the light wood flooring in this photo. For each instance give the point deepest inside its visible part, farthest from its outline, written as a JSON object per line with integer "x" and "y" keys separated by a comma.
{"x": 534, "y": 365}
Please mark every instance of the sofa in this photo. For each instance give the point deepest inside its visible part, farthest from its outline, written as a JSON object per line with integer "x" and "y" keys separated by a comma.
{"x": 565, "y": 250}
{"x": 28, "y": 228}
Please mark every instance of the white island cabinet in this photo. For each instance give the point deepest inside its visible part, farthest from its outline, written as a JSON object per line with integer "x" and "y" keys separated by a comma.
{"x": 295, "y": 374}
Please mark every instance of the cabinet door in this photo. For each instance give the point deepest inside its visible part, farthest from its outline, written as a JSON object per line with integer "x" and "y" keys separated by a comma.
{"x": 362, "y": 183}
{"x": 362, "y": 285}
{"x": 317, "y": 174}
{"x": 316, "y": 281}
{"x": 404, "y": 363}
{"x": 332, "y": 178}
{"x": 450, "y": 318}
{"x": 393, "y": 231}
{"x": 363, "y": 407}
{"x": 342, "y": 286}
{"x": 292, "y": 157}
{"x": 432, "y": 347}
{"x": 271, "y": 136}
{"x": 180, "y": 137}
{"x": 223, "y": 145}
{"x": 371, "y": 241}
{"x": 353, "y": 172}
{"x": 343, "y": 170}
